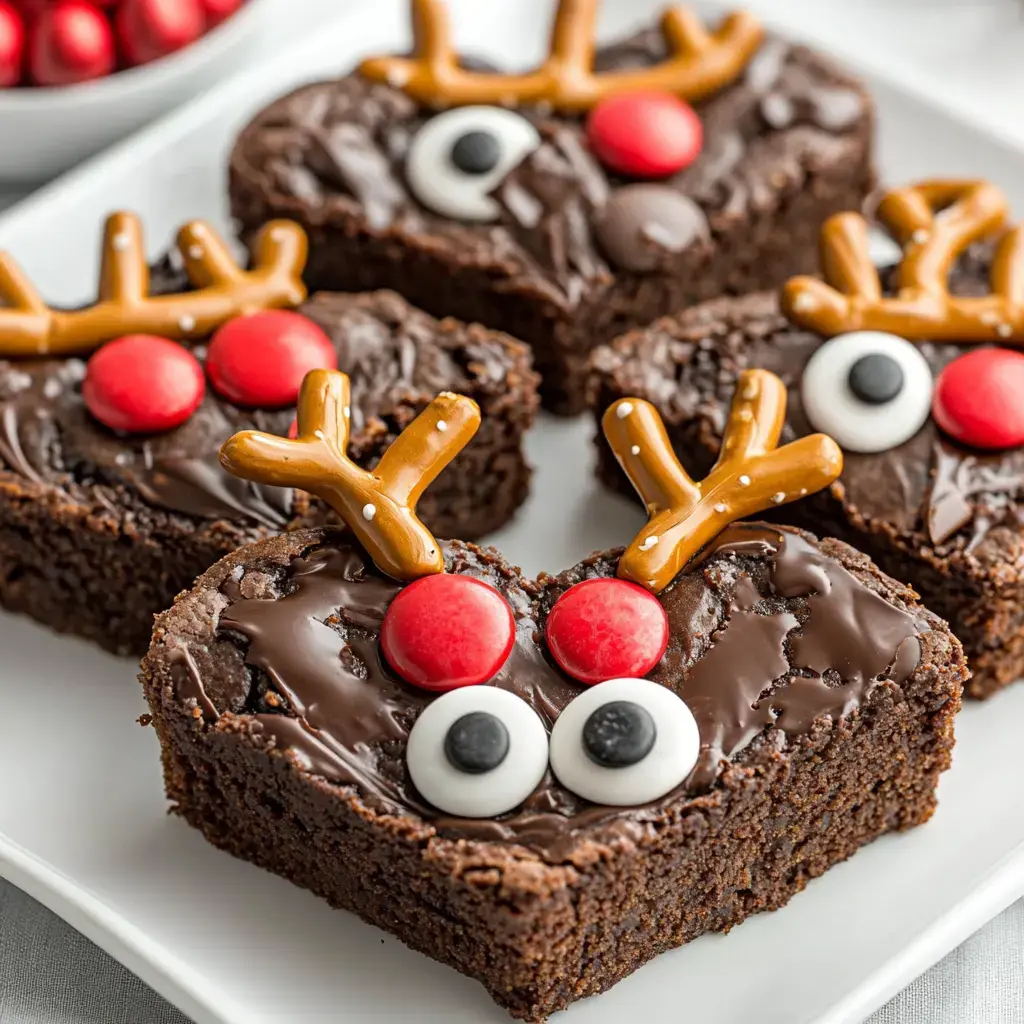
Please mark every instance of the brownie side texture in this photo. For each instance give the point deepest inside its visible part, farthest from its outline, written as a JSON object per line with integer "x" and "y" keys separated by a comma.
{"x": 99, "y": 531}
{"x": 785, "y": 146}
{"x": 885, "y": 504}
{"x": 561, "y": 898}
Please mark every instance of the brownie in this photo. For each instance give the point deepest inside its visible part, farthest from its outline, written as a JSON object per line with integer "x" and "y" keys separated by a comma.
{"x": 943, "y": 516}
{"x": 99, "y": 531}
{"x": 577, "y": 252}
{"x": 823, "y": 693}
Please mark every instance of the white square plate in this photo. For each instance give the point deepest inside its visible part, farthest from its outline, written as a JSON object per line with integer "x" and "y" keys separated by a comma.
{"x": 82, "y": 816}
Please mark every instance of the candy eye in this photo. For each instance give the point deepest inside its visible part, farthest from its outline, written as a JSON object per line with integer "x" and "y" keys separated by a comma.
{"x": 869, "y": 390}
{"x": 477, "y": 752}
{"x": 458, "y": 158}
{"x": 624, "y": 742}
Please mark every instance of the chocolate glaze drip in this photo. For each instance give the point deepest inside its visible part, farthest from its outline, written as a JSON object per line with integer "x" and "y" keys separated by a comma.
{"x": 767, "y": 631}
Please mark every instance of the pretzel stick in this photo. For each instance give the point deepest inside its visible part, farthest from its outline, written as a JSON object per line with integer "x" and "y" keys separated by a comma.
{"x": 701, "y": 63}
{"x": 751, "y": 475}
{"x": 935, "y": 221}
{"x": 28, "y": 327}
{"x": 379, "y": 506}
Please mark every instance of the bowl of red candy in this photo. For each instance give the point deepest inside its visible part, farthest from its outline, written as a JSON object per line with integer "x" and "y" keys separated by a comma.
{"x": 75, "y": 75}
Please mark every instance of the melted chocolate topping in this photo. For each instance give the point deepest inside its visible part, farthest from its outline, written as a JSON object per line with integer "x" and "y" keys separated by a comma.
{"x": 767, "y": 631}
{"x": 391, "y": 352}
{"x": 342, "y": 144}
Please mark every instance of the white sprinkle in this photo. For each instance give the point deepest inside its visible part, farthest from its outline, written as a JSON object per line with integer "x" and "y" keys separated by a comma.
{"x": 803, "y": 303}
{"x": 649, "y": 543}
{"x": 803, "y": 491}
{"x": 369, "y": 511}
{"x": 347, "y": 411}
{"x": 721, "y": 507}
{"x": 1004, "y": 330}
{"x": 635, "y": 449}
{"x": 195, "y": 252}
{"x": 744, "y": 480}
{"x": 278, "y": 234}
{"x": 398, "y": 76}
{"x": 442, "y": 426}
{"x": 779, "y": 497}
{"x": 187, "y": 323}
{"x": 120, "y": 241}
{"x": 197, "y": 228}
{"x": 623, "y": 409}
{"x": 52, "y": 388}
{"x": 919, "y": 237}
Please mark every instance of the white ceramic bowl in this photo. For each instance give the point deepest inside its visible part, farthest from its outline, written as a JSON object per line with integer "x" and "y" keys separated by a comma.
{"x": 46, "y": 131}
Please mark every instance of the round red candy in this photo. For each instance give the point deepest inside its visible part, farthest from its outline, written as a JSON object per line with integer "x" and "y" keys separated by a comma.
{"x": 70, "y": 42}
{"x": 142, "y": 384}
{"x": 645, "y": 134}
{"x": 260, "y": 360}
{"x": 12, "y": 45}
{"x": 979, "y": 399}
{"x": 150, "y": 29}
{"x": 447, "y": 631}
{"x": 607, "y": 629}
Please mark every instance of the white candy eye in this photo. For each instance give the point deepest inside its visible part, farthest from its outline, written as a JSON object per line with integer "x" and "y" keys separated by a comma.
{"x": 624, "y": 742}
{"x": 869, "y": 390}
{"x": 477, "y": 751}
{"x": 458, "y": 158}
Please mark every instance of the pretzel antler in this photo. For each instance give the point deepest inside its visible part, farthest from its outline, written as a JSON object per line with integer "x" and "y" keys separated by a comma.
{"x": 934, "y": 221}
{"x": 702, "y": 62}
{"x": 751, "y": 474}
{"x": 378, "y": 506}
{"x": 28, "y": 327}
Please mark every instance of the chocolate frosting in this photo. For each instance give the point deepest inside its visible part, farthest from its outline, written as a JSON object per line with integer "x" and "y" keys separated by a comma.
{"x": 932, "y": 492}
{"x": 397, "y": 359}
{"x": 768, "y": 634}
{"x": 341, "y": 145}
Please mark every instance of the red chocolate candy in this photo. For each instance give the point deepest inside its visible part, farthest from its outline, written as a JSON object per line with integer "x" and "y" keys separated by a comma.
{"x": 70, "y": 42}
{"x": 979, "y": 399}
{"x": 12, "y": 45}
{"x": 607, "y": 629}
{"x": 150, "y": 29}
{"x": 260, "y": 360}
{"x": 447, "y": 631}
{"x": 142, "y": 384}
{"x": 645, "y": 134}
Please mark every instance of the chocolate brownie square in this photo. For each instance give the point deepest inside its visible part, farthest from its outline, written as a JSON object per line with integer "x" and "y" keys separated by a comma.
{"x": 545, "y": 783}
{"x": 506, "y": 215}
{"x": 933, "y": 483}
{"x": 99, "y": 529}
{"x": 561, "y": 897}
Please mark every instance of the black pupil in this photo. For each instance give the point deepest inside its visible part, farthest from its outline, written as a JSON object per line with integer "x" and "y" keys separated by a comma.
{"x": 876, "y": 378}
{"x": 619, "y": 734}
{"x": 476, "y": 152}
{"x": 476, "y": 743}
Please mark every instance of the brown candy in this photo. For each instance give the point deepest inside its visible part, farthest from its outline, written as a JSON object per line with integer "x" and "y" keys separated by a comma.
{"x": 701, "y": 63}
{"x": 28, "y": 327}
{"x": 934, "y": 221}
{"x": 751, "y": 475}
{"x": 379, "y": 506}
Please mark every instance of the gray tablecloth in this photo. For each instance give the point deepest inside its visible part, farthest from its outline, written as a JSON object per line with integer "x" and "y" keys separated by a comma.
{"x": 49, "y": 974}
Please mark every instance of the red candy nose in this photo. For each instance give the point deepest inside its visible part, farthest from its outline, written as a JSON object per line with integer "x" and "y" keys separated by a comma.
{"x": 446, "y": 631}
{"x": 607, "y": 629}
{"x": 645, "y": 134}
{"x": 979, "y": 399}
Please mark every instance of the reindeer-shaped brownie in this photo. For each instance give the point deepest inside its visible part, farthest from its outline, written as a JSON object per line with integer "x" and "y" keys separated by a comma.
{"x": 112, "y": 415}
{"x": 914, "y": 369}
{"x": 568, "y": 202}
{"x": 512, "y": 774}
